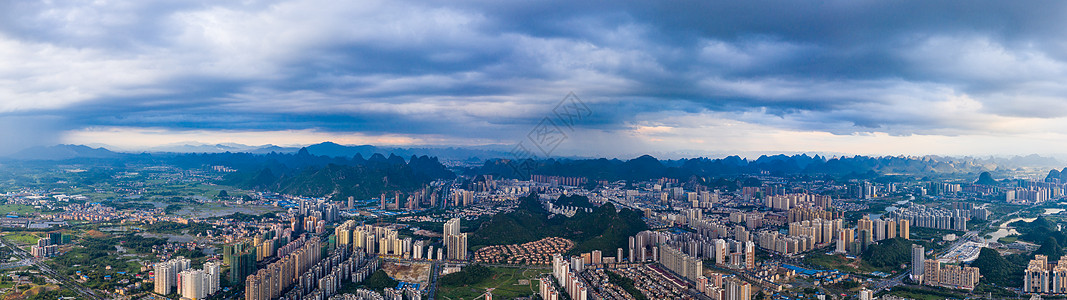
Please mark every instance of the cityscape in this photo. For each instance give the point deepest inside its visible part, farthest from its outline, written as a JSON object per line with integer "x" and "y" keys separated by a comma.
{"x": 218, "y": 226}
{"x": 533, "y": 150}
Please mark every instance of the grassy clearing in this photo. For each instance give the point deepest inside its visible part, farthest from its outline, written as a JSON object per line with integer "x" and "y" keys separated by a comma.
{"x": 19, "y": 209}
{"x": 1008, "y": 239}
{"x": 21, "y": 238}
{"x": 504, "y": 280}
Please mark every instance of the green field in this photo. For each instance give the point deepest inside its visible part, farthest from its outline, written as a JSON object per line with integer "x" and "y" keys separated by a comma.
{"x": 16, "y": 208}
{"x": 504, "y": 280}
{"x": 21, "y": 238}
{"x": 1008, "y": 239}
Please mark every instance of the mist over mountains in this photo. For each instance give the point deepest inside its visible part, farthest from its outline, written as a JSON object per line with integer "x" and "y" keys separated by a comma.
{"x": 495, "y": 162}
{"x": 330, "y": 149}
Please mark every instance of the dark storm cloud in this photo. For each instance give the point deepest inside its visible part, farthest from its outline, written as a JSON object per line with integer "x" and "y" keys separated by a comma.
{"x": 484, "y": 69}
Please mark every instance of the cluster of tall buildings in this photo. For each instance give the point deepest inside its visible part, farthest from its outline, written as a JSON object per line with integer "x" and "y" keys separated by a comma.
{"x": 383, "y": 241}
{"x": 1044, "y": 278}
{"x": 732, "y": 253}
{"x": 242, "y": 261}
{"x": 931, "y": 217}
{"x": 789, "y": 201}
{"x": 1033, "y": 192}
{"x": 817, "y": 231}
{"x": 462, "y": 197}
{"x": 558, "y": 180}
{"x": 566, "y": 274}
{"x": 166, "y": 274}
{"x": 196, "y": 284}
{"x": 943, "y": 188}
{"x": 868, "y": 231}
{"x": 805, "y": 213}
{"x": 950, "y": 276}
{"x": 691, "y": 268}
{"x": 272, "y": 281}
{"x": 319, "y": 209}
{"x": 703, "y": 199}
{"x": 784, "y": 244}
{"x": 868, "y": 190}
{"x": 325, "y": 278}
{"x": 47, "y": 246}
{"x": 884, "y": 228}
{"x": 429, "y": 195}
{"x": 455, "y": 241}
{"x": 717, "y": 287}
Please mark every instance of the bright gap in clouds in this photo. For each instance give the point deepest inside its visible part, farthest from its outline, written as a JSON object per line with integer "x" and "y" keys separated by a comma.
{"x": 132, "y": 139}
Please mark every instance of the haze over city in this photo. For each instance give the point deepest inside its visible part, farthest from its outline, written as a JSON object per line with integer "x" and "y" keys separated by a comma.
{"x": 690, "y": 78}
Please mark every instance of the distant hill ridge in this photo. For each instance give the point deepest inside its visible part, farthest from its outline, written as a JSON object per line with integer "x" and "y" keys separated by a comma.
{"x": 63, "y": 152}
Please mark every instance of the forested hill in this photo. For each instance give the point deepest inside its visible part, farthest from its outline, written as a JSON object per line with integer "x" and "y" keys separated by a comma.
{"x": 648, "y": 167}
{"x": 309, "y": 175}
{"x": 602, "y": 229}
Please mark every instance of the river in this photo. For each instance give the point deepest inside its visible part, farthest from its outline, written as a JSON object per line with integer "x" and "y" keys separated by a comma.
{"x": 1006, "y": 230}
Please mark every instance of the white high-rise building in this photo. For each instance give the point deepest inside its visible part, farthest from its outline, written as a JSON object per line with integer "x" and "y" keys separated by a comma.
{"x": 451, "y": 227}
{"x": 720, "y": 251}
{"x": 212, "y": 270}
{"x": 192, "y": 284}
{"x": 737, "y": 289}
{"x": 189, "y": 283}
{"x": 163, "y": 273}
{"x": 455, "y": 242}
{"x": 879, "y": 230}
{"x": 166, "y": 274}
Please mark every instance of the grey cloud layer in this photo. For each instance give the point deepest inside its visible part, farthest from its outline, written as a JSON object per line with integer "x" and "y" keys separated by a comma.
{"x": 490, "y": 70}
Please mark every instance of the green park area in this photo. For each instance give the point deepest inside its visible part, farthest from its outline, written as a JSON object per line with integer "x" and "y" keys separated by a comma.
{"x": 474, "y": 281}
{"x": 18, "y": 209}
{"x": 21, "y": 238}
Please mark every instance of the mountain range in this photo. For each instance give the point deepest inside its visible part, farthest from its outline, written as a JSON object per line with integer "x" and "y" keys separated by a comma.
{"x": 330, "y": 149}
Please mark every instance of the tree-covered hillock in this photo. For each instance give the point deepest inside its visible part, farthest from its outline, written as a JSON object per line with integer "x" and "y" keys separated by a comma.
{"x": 1004, "y": 271}
{"x": 888, "y": 253}
{"x": 602, "y": 229}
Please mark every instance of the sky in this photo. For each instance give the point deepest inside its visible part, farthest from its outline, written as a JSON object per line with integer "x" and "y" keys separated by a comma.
{"x": 693, "y": 77}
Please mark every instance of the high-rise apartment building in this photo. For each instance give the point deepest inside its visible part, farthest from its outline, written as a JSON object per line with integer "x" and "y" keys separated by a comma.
{"x": 166, "y": 274}
{"x": 918, "y": 256}
{"x": 1044, "y": 278}
{"x": 455, "y": 242}
{"x": 950, "y": 276}
{"x": 905, "y": 228}
{"x": 737, "y": 289}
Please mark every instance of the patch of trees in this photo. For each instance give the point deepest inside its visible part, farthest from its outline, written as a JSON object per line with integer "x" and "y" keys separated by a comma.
{"x": 626, "y": 284}
{"x": 888, "y": 253}
{"x": 1005, "y": 271}
{"x": 380, "y": 280}
{"x": 470, "y": 275}
{"x": 602, "y": 229}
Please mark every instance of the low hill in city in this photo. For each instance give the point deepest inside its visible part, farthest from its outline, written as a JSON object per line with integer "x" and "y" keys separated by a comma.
{"x": 888, "y": 253}
{"x": 1005, "y": 271}
{"x": 602, "y": 229}
{"x": 573, "y": 201}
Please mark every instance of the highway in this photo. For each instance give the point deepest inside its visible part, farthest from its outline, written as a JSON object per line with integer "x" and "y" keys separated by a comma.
{"x": 64, "y": 281}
